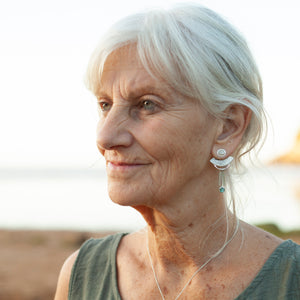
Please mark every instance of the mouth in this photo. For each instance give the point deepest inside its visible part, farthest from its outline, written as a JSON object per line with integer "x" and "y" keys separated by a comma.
{"x": 123, "y": 165}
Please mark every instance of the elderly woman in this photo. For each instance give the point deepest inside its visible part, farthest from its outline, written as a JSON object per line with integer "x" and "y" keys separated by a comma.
{"x": 180, "y": 101}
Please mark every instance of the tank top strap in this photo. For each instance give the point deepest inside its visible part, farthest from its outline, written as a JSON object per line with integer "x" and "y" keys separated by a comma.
{"x": 94, "y": 274}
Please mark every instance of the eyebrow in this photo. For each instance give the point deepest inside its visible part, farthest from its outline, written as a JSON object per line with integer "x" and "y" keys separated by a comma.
{"x": 139, "y": 91}
{"x": 101, "y": 94}
{"x": 147, "y": 89}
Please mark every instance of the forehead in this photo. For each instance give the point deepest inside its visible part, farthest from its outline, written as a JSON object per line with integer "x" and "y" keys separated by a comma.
{"x": 123, "y": 67}
{"x": 122, "y": 57}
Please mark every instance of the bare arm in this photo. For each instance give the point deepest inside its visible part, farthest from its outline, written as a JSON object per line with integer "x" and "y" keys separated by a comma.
{"x": 62, "y": 289}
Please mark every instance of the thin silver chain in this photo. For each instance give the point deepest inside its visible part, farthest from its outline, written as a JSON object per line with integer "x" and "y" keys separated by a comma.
{"x": 197, "y": 271}
{"x": 156, "y": 280}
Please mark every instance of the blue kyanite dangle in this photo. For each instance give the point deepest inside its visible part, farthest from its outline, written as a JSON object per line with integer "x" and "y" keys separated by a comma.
{"x": 221, "y": 182}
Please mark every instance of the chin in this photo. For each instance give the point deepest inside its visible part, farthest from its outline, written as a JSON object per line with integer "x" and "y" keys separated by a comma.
{"x": 125, "y": 195}
{"x": 135, "y": 192}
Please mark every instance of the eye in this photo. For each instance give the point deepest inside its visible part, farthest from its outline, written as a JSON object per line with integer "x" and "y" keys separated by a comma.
{"x": 148, "y": 105}
{"x": 104, "y": 106}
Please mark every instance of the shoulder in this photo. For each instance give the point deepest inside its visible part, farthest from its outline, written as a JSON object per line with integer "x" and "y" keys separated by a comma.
{"x": 92, "y": 255}
{"x": 286, "y": 252}
{"x": 64, "y": 277}
{"x": 297, "y": 252}
{"x": 287, "y": 255}
{"x": 281, "y": 272}
{"x": 292, "y": 252}
{"x": 284, "y": 277}
{"x": 259, "y": 242}
{"x": 279, "y": 277}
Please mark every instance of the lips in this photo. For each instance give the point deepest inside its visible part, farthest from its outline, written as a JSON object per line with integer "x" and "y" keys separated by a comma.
{"x": 121, "y": 163}
{"x": 124, "y": 163}
{"x": 123, "y": 166}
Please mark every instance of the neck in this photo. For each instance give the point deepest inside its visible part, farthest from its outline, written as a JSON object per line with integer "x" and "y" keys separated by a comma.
{"x": 187, "y": 237}
{"x": 189, "y": 244}
{"x": 186, "y": 233}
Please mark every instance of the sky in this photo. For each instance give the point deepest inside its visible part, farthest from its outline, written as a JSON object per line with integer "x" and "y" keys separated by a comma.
{"x": 47, "y": 116}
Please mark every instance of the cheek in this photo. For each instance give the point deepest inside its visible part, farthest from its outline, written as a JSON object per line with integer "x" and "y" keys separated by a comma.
{"x": 159, "y": 139}
{"x": 179, "y": 141}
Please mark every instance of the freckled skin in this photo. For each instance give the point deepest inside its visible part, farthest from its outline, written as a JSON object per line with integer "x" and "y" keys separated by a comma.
{"x": 165, "y": 291}
{"x": 209, "y": 268}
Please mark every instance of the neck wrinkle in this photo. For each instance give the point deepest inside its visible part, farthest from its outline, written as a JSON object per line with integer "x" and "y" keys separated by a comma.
{"x": 187, "y": 246}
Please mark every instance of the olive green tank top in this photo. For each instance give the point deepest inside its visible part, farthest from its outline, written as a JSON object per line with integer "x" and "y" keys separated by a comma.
{"x": 94, "y": 274}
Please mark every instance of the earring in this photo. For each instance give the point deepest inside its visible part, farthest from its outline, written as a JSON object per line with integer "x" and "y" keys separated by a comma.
{"x": 221, "y": 165}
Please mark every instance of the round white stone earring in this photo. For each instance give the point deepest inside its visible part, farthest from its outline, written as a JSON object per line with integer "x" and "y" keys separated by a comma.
{"x": 221, "y": 165}
{"x": 221, "y": 153}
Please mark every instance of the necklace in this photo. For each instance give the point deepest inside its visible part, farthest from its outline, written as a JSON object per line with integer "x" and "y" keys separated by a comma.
{"x": 197, "y": 271}
{"x": 156, "y": 280}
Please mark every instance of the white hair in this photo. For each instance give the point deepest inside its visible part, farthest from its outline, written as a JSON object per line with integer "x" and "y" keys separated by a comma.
{"x": 199, "y": 54}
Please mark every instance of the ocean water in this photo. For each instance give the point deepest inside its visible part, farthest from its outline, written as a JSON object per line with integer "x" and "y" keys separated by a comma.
{"x": 77, "y": 199}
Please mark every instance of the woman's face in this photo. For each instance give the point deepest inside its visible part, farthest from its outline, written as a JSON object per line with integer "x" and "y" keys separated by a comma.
{"x": 156, "y": 143}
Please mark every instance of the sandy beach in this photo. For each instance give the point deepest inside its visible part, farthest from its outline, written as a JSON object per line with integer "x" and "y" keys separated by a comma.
{"x": 30, "y": 261}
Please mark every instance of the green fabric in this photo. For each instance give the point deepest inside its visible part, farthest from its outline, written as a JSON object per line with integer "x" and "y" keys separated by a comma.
{"x": 94, "y": 274}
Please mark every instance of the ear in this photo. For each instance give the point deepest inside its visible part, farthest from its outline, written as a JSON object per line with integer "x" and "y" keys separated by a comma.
{"x": 231, "y": 129}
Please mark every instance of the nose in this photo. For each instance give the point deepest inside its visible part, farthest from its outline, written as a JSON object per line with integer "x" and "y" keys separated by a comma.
{"x": 113, "y": 129}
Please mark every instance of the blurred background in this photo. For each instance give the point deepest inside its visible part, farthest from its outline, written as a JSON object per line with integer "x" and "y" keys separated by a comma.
{"x": 51, "y": 174}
